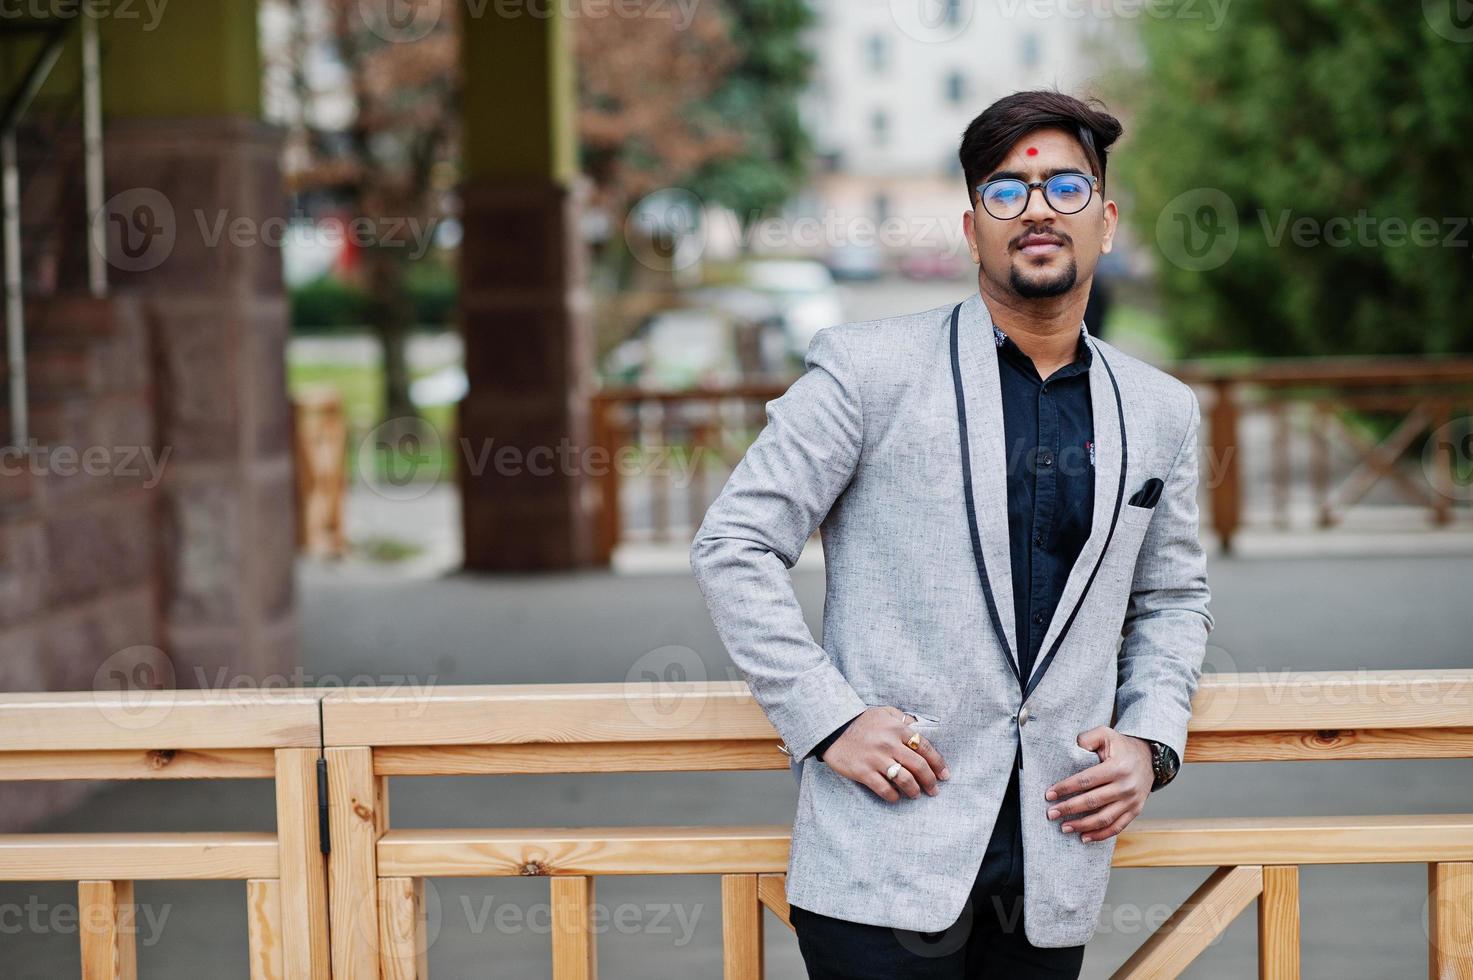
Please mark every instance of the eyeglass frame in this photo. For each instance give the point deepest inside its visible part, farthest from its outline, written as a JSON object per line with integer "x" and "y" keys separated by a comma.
{"x": 1042, "y": 185}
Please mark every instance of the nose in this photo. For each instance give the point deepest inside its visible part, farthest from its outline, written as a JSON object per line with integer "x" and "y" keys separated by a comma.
{"x": 1038, "y": 207}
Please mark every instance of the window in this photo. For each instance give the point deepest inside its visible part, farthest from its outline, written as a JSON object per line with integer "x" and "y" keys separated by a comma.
{"x": 1032, "y": 51}
{"x": 877, "y": 52}
{"x": 879, "y": 127}
{"x": 956, "y": 87}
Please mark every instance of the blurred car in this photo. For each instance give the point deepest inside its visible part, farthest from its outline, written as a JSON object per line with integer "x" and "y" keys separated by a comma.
{"x": 805, "y": 294}
{"x": 925, "y": 265}
{"x": 856, "y": 263}
{"x": 676, "y": 350}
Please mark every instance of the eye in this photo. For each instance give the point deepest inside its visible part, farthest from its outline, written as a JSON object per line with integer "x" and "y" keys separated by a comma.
{"x": 1069, "y": 187}
{"x": 1006, "y": 193}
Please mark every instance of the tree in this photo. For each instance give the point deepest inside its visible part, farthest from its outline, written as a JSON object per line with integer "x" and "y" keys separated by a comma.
{"x": 1333, "y": 134}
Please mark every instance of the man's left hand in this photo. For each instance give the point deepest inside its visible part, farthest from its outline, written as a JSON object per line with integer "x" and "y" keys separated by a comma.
{"x": 1111, "y": 793}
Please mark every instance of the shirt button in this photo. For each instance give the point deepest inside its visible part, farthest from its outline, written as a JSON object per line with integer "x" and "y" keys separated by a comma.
{"x": 1037, "y": 618}
{"x": 1048, "y": 460}
{"x": 1038, "y": 539}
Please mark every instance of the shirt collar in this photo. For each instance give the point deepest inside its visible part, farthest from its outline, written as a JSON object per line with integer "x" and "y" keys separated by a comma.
{"x": 1083, "y": 355}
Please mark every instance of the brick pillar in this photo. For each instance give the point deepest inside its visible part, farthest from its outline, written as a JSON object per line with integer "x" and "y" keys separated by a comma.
{"x": 523, "y": 307}
{"x": 218, "y": 317}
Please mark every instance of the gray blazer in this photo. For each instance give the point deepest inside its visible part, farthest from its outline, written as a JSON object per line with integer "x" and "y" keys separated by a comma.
{"x": 918, "y": 611}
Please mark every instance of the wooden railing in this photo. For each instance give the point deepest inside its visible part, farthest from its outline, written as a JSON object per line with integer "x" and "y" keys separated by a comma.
{"x": 1315, "y": 395}
{"x": 167, "y": 735}
{"x": 1310, "y": 396}
{"x": 373, "y": 891}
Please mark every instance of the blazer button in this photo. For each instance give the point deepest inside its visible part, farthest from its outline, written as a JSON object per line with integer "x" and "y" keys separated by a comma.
{"x": 1023, "y": 716}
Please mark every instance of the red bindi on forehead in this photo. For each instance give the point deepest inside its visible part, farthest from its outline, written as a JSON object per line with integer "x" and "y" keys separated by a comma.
{"x": 1033, "y": 151}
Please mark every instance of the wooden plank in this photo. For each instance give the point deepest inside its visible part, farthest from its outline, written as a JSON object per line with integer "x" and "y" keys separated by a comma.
{"x": 772, "y": 889}
{"x": 741, "y": 928}
{"x": 1334, "y": 743}
{"x": 1450, "y": 920}
{"x": 137, "y": 856}
{"x": 576, "y": 714}
{"x": 263, "y": 929}
{"x": 574, "y": 946}
{"x": 306, "y": 951}
{"x": 138, "y": 764}
{"x": 357, "y": 819}
{"x": 584, "y": 851}
{"x": 725, "y": 755}
{"x": 403, "y": 929}
{"x": 1194, "y": 925}
{"x": 168, "y": 719}
{"x": 107, "y": 924}
{"x": 1278, "y": 923}
{"x": 1174, "y": 843}
{"x": 526, "y": 713}
{"x": 1264, "y": 700}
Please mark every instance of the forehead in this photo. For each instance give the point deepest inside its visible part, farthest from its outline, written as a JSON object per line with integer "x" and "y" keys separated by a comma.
{"x": 1053, "y": 148}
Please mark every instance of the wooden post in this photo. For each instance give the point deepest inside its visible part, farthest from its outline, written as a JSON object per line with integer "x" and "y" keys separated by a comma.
{"x": 304, "y": 933}
{"x": 1278, "y": 923}
{"x": 574, "y": 950}
{"x": 403, "y": 930}
{"x": 105, "y": 918}
{"x": 741, "y": 928}
{"x": 263, "y": 928}
{"x": 358, "y": 816}
{"x": 1223, "y": 468}
{"x": 1450, "y": 920}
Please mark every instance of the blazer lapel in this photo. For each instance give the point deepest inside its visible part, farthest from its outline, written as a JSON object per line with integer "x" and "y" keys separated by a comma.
{"x": 986, "y": 441}
{"x": 1108, "y": 462}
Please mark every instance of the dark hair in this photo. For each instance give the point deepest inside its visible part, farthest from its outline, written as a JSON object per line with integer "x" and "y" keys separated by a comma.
{"x": 991, "y": 135}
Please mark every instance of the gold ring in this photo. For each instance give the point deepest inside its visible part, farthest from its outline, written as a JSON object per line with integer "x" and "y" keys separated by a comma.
{"x": 914, "y": 742}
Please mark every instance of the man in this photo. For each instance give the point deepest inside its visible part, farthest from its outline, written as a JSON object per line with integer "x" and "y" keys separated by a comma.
{"x": 1016, "y": 606}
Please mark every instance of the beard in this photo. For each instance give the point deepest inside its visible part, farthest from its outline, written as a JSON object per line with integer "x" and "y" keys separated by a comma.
{"x": 1044, "y": 288}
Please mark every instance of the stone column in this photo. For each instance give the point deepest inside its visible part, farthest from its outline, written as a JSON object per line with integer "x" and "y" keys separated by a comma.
{"x": 193, "y": 181}
{"x": 523, "y": 308}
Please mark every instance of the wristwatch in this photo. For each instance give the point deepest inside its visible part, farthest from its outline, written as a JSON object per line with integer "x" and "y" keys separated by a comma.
{"x": 1164, "y": 763}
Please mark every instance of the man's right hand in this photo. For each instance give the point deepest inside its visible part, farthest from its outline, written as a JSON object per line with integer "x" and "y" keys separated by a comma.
{"x": 876, "y": 739}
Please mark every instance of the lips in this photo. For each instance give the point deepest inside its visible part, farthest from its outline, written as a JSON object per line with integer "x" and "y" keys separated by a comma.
{"x": 1040, "y": 244}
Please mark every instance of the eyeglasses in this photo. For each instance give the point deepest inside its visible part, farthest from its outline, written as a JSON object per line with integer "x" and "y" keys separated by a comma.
{"x": 1008, "y": 197}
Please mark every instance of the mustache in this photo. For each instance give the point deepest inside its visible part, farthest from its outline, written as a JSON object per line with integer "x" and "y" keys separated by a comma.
{"x": 1059, "y": 236}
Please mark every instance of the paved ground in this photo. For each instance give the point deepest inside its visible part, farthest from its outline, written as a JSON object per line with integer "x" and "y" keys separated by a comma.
{"x": 1343, "y": 612}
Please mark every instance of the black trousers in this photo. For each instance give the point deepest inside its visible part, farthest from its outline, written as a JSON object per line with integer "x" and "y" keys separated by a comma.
{"x": 987, "y": 940}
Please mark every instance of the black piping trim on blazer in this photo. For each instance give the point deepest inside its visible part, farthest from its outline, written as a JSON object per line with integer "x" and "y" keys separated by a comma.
{"x": 961, "y": 417}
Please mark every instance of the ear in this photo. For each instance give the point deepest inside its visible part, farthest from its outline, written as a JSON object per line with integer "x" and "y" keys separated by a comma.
{"x": 1112, "y": 219}
{"x": 969, "y": 229}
